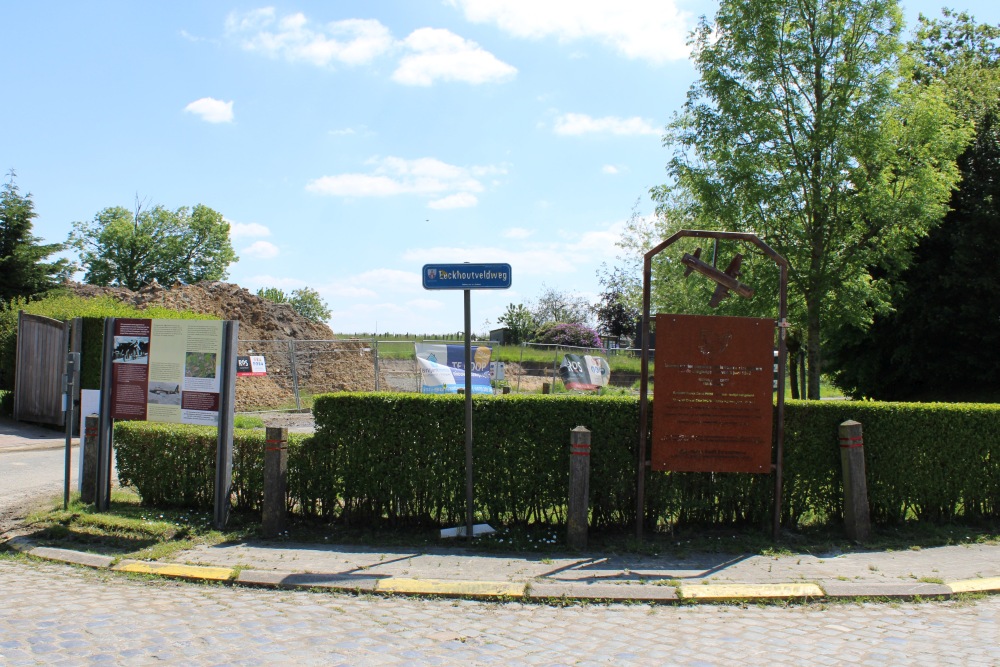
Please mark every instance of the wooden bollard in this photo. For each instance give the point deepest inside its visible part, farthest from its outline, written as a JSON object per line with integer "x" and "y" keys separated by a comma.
{"x": 579, "y": 488}
{"x": 275, "y": 481}
{"x": 88, "y": 483}
{"x": 857, "y": 518}
{"x": 546, "y": 388}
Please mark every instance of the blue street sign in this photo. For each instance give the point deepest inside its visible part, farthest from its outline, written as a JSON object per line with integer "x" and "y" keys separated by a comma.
{"x": 466, "y": 276}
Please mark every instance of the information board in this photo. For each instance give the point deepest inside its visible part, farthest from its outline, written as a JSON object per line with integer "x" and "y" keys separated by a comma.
{"x": 712, "y": 406}
{"x": 167, "y": 370}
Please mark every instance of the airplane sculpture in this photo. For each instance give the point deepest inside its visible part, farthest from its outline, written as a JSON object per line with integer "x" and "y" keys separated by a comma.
{"x": 726, "y": 280}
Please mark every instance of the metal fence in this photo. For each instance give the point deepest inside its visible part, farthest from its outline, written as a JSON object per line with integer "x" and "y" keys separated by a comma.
{"x": 297, "y": 370}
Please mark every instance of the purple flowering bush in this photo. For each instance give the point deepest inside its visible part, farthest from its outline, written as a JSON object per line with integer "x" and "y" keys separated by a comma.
{"x": 574, "y": 334}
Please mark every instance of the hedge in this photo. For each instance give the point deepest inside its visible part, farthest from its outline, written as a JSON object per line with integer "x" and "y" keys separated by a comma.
{"x": 399, "y": 459}
{"x": 65, "y": 307}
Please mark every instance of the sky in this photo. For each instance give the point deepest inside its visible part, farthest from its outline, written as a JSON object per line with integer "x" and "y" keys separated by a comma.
{"x": 349, "y": 143}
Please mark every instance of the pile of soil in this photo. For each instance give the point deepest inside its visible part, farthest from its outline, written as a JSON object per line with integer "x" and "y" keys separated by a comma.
{"x": 321, "y": 362}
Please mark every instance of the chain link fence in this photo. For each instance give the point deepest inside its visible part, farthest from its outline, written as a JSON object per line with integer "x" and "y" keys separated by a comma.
{"x": 297, "y": 370}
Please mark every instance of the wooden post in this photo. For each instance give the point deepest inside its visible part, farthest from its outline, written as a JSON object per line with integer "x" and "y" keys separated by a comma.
{"x": 88, "y": 489}
{"x": 857, "y": 518}
{"x": 275, "y": 481}
{"x": 579, "y": 488}
{"x": 546, "y": 388}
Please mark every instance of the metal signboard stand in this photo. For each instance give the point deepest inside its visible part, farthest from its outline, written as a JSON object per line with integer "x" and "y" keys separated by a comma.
{"x": 467, "y": 277}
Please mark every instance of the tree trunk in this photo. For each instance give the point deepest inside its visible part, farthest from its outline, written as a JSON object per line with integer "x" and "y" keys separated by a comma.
{"x": 813, "y": 360}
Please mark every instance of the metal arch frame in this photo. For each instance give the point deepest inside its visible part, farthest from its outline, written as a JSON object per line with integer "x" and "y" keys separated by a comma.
{"x": 647, "y": 272}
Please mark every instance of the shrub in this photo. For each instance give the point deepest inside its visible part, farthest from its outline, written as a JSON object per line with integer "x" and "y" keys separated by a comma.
{"x": 400, "y": 459}
{"x": 572, "y": 334}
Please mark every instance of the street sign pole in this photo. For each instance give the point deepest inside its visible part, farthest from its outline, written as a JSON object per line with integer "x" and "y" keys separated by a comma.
{"x": 469, "y": 508}
{"x": 467, "y": 277}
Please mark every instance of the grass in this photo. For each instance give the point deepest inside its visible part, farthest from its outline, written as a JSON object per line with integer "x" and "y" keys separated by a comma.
{"x": 131, "y": 530}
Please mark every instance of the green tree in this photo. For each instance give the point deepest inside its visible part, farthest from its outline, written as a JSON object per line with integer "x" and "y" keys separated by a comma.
{"x": 308, "y": 303}
{"x": 556, "y": 306}
{"x": 801, "y": 130}
{"x": 305, "y": 301}
{"x": 616, "y": 309}
{"x": 274, "y": 294}
{"x": 937, "y": 342}
{"x": 132, "y": 249}
{"x": 23, "y": 270}
{"x": 519, "y": 321}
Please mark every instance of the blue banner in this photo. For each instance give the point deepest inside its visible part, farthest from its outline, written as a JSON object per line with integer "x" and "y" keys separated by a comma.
{"x": 442, "y": 368}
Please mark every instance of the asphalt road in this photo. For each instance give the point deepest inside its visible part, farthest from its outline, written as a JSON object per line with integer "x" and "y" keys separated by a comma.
{"x": 30, "y": 478}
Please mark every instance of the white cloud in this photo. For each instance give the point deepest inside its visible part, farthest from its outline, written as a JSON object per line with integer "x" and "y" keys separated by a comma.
{"x": 460, "y": 200}
{"x": 441, "y": 55}
{"x": 211, "y": 110}
{"x": 654, "y": 31}
{"x": 609, "y": 169}
{"x": 294, "y": 38}
{"x": 247, "y": 229}
{"x": 260, "y": 250}
{"x": 518, "y": 233}
{"x": 453, "y": 186}
{"x": 574, "y": 124}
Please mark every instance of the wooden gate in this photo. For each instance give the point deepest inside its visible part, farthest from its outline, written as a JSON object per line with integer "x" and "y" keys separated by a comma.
{"x": 42, "y": 344}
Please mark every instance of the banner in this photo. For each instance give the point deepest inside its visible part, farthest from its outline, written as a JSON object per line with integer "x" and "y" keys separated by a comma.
{"x": 584, "y": 372}
{"x": 166, "y": 370}
{"x": 250, "y": 366}
{"x": 442, "y": 368}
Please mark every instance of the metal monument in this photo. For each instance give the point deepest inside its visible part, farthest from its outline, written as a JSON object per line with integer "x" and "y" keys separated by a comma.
{"x": 714, "y": 377}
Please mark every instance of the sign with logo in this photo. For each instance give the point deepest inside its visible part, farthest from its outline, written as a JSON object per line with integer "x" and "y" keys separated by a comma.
{"x": 713, "y": 404}
{"x": 442, "y": 368}
{"x": 584, "y": 372}
{"x": 252, "y": 365}
{"x": 166, "y": 370}
{"x": 466, "y": 276}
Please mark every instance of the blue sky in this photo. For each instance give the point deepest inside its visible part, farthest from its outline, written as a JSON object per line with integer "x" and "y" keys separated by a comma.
{"x": 349, "y": 143}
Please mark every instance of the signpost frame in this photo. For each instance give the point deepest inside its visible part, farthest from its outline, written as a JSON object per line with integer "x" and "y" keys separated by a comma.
{"x": 647, "y": 272}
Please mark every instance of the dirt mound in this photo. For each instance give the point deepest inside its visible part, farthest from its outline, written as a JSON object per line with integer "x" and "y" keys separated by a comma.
{"x": 300, "y": 354}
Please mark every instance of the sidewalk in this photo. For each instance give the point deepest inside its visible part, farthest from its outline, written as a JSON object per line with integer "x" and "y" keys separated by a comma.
{"x": 19, "y": 436}
{"x": 456, "y": 571}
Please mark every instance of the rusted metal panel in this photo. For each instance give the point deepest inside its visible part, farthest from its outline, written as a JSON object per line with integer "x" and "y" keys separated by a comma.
{"x": 42, "y": 344}
{"x": 712, "y": 410}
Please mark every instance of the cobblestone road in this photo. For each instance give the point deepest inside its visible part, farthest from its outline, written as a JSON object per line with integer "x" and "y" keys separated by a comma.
{"x": 52, "y": 614}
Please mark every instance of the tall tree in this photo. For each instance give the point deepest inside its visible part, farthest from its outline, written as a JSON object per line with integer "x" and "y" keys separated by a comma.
{"x": 557, "y": 306}
{"x": 23, "y": 269}
{"x": 938, "y": 341}
{"x": 133, "y": 248}
{"x": 519, "y": 321}
{"x": 800, "y": 130}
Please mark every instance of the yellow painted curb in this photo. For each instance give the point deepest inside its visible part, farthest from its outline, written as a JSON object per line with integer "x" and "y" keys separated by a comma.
{"x": 985, "y": 585}
{"x": 174, "y": 570}
{"x": 444, "y": 587}
{"x": 743, "y": 591}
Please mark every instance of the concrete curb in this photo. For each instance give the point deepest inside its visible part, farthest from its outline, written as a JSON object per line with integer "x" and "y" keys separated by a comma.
{"x": 535, "y": 591}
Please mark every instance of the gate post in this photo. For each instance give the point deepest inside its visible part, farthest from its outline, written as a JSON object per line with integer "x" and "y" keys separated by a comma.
{"x": 88, "y": 488}
{"x": 857, "y": 519}
{"x": 579, "y": 488}
{"x": 275, "y": 481}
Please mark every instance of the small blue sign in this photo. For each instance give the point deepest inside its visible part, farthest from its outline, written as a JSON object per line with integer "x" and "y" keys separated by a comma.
{"x": 466, "y": 276}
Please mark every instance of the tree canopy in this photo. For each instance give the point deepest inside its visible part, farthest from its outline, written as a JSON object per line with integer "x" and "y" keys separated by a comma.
{"x": 134, "y": 248}
{"x": 24, "y": 272}
{"x": 803, "y": 129}
{"x": 937, "y": 342}
{"x": 305, "y": 301}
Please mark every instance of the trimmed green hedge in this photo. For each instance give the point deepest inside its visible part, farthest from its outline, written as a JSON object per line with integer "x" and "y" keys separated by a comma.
{"x": 400, "y": 458}
{"x": 174, "y": 464}
{"x": 65, "y": 307}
